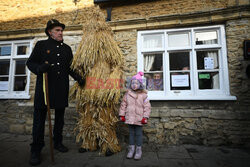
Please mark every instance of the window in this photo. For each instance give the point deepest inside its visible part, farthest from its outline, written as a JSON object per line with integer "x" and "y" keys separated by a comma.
{"x": 14, "y": 75}
{"x": 185, "y": 64}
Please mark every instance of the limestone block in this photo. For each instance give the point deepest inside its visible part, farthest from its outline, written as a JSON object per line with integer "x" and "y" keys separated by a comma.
{"x": 165, "y": 119}
{"x": 164, "y": 113}
{"x": 29, "y": 121}
{"x": 231, "y": 2}
{"x": 190, "y": 126}
{"x": 169, "y": 125}
{"x": 231, "y": 15}
{"x": 154, "y": 113}
{"x": 244, "y": 2}
{"x": 28, "y": 129}
{"x": 222, "y": 114}
{"x": 150, "y": 130}
{"x": 16, "y": 128}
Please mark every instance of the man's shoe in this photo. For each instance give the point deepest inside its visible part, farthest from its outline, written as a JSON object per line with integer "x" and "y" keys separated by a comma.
{"x": 108, "y": 153}
{"x": 35, "y": 158}
{"x": 82, "y": 150}
{"x": 60, "y": 147}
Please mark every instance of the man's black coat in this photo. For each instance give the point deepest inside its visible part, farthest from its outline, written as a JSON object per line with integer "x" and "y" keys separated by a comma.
{"x": 59, "y": 55}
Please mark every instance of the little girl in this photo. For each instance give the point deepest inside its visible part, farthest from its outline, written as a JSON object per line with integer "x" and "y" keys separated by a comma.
{"x": 134, "y": 111}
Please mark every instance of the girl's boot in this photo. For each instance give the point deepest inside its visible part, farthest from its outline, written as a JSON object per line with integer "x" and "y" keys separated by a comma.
{"x": 131, "y": 150}
{"x": 138, "y": 153}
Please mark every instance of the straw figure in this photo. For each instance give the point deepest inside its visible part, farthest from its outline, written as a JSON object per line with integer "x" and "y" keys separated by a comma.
{"x": 98, "y": 59}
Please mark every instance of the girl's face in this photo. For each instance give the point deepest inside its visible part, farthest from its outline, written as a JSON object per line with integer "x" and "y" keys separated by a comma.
{"x": 135, "y": 84}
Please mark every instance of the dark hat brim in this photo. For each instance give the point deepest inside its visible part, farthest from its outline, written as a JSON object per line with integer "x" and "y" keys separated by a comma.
{"x": 52, "y": 26}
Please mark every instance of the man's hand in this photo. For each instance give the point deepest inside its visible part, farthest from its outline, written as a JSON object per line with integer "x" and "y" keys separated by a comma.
{"x": 44, "y": 67}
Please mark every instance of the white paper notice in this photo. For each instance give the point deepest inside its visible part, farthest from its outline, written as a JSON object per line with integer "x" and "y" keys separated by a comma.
{"x": 208, "y": 63}
{"x": 180, "y": 81}
{"x": 4, "y": 85}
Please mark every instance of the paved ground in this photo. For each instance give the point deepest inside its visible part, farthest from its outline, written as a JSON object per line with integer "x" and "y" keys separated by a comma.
{"x": 14, "y": 152}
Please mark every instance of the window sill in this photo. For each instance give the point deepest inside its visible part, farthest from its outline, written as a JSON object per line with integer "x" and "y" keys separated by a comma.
{"x": 14, "y": 96}
{"x": 192, "y": 97}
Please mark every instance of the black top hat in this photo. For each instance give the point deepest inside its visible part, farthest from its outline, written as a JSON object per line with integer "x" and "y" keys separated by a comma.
{"x": 51, "y": 24}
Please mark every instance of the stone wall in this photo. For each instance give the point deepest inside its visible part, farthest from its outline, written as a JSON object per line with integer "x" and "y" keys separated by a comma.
{"x": 21, "y": 9}
{"x": 201, "y": 122}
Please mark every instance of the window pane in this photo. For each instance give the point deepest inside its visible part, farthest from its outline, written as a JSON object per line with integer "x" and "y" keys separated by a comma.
{"x": 209, "y": 37}
{"x": 207, "y": 60}
{"x": 22, "y": 50}
{"x": 4, "y": 67}
{"x": 20, "y": 83}
{"x": 179, "y": 60}
{"x": 4, "y": 83}
{"x": 152, "y": 62}
{"x": 180, "y": 81}
{"x": 152, "y": 41}
{"x": 154, "y": 81}
{"x": 5, "y": 50}
{"x": 209, "y": 80}
{"x": 20, "y": 67}
{"x": 178, "y": 40}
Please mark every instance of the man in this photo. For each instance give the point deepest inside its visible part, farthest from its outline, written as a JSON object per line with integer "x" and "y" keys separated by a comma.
{"x": 54, "y": 57}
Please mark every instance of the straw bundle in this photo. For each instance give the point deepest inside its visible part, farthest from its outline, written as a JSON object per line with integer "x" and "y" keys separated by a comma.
{"x": 100, "y": 61}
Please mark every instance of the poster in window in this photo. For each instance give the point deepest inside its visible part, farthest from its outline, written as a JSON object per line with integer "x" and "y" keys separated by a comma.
{"x": 180, "y": 81}
{"x": 4, "y": 85}
{"x": 208, "y": 63}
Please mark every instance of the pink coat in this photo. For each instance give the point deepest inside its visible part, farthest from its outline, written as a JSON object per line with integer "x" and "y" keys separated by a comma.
{"x": 135, "y": 108}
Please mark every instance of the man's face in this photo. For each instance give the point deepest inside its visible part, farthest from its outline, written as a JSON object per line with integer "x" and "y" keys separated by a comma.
{"x": 157, "y": 76}
{"x": 56, "y": 33}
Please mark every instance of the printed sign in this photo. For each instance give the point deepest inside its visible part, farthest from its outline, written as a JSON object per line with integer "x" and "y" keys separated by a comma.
{"x": 4, "y": 85}
{"x": 208, "y": 63}
{"x": 180, "y": 81}
{"x": 204, "y": 76}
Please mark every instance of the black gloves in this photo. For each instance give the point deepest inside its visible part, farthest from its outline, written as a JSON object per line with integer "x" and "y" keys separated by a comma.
{"x": 43, "y": 68}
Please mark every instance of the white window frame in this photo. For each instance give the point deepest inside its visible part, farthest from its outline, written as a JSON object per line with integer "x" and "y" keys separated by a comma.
{"x": 10, "y": 93}
{"x": 195, "y": 93}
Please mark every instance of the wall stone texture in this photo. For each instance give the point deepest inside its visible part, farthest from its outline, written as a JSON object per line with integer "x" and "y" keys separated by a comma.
{"x": 21, "y": 9}
{"x": 171, "y": 122}
{"x": 29, "y": 14}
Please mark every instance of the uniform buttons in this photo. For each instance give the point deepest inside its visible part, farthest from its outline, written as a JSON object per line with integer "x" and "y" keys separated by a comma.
{"x": 58, "y": 54}
{"x": 57, "y": 46}
{"x": 58, "y": 63}
{"x": 61, "y": 43}
{"x": 58, "y": 72}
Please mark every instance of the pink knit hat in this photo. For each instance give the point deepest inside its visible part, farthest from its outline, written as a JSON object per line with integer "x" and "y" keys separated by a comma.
{"x": 138, "y": 76}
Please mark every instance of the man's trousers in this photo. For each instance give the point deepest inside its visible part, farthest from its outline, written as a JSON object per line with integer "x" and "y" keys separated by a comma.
{"x": 39, "y": 118}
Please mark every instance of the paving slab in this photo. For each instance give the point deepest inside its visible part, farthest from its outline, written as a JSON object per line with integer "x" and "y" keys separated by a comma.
{"x": 177, "y": 163}
{"x": 15, "y": 152}
{"x": 5, "y": 146}
{"x": 4, "y": 136}
{"x": 173, "y": 152}
{"x": 15, "y": 156}
{"x": 115, "y": 160}
{"x": 202, "y": 152}
{"x": 233, "y": 153}
{"x": 221, "y": 153}
{"x": 19, "y": 138}
{"x": 223, "y": 163}
{"x": 149, "y": 159}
